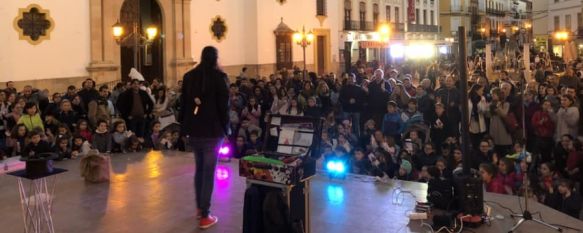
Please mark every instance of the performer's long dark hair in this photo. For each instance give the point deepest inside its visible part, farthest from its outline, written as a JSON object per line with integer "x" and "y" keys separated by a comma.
{"x": 209, "y": 58}
{"x": 209, "y": 63}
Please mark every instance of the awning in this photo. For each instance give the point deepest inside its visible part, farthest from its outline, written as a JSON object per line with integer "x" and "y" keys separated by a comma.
{"x": 372, "y": 44}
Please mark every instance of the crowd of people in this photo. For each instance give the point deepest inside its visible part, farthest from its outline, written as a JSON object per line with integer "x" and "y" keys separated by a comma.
{"x": 404, "y": 122}
{"x": 69, "y": 124}
{"x": 399, "y": 122}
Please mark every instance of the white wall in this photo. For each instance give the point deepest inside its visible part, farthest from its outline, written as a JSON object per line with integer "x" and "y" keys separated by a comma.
{"x": 66, "y": 54}
{"x": 540, "y": 17}
{"x": 561, "y": 9}
{"x": 250, "y": 38}
{"x": 270, "y": 13}
{"x": 232, "y": 49}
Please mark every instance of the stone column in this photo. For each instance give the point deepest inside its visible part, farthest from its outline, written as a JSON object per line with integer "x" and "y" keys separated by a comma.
{"x": 102, "y": 67}
{"x": 180, "y": 59}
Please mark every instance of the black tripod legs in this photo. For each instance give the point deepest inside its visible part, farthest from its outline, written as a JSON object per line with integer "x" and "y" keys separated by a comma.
{"x": 526, "y": 216}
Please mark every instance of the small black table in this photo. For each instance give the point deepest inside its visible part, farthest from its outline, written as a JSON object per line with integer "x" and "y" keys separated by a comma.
{"x": 36, "y": 200}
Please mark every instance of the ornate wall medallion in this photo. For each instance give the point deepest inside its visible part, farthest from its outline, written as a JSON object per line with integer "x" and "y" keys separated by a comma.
{"x": 33, "y": 24}
{"x": 218, "y": 28}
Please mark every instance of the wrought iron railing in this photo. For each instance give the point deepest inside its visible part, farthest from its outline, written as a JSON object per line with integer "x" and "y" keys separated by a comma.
{"x": 422, "y": 28}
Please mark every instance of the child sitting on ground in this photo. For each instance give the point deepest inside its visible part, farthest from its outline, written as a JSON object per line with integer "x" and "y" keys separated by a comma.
{"x": 102, "y": 138}
{"x": 63, "y": 132}
{"x": 16, "y": 140}
{"x": 84, "y": 130}
{"x": 254, "y": 145}
{"x": 165, "y": 141}
{"x": 120, "y": 137}
{"x": 134, "y": 144}
{"x": 153, "y": 141}
{"x": 405, "y": 171}
{"x": 36, "y": 145}
{"x": 360, "y": 164}
{"x": 80, "y": 146}
{"x": 31, "y": 118}
{"x": 424, "y": 175}
{"x": 178, "y": 142}
{"x": 62, "y": 149}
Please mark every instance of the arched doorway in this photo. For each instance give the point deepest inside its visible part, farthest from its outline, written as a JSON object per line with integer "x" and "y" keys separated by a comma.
{"x": 150, "y": 59}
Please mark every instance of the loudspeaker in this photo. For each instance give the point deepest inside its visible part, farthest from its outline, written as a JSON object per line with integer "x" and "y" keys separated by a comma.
{"x": 469, "y": 194}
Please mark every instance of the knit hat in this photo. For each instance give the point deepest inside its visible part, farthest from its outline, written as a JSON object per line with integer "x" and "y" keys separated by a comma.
{"x": 406, "y": 165}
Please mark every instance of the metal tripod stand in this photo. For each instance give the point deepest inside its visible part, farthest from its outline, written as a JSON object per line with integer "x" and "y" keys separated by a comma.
{"x": 527, "y": 215}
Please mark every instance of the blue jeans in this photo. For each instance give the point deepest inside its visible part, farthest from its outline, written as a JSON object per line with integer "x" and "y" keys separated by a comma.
{"x": 205, "y": 157}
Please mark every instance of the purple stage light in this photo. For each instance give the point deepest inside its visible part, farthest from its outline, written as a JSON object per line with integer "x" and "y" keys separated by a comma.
{"x": 222, "y": 173}
{"x": 224, "y": 151}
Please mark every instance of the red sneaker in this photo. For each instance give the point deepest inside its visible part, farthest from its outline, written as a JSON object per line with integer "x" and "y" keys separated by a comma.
{"x": 208, "y": 222}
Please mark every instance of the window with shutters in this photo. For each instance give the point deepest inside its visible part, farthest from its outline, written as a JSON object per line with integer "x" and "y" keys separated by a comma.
{"x": 362, "y": 15}
{"x": 375, "y": 14}
{"x": 321, "y": 7}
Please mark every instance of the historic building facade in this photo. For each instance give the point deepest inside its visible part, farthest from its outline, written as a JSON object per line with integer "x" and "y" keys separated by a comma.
{"x": 53, "y": 44}
{"x": 409, "y": 21}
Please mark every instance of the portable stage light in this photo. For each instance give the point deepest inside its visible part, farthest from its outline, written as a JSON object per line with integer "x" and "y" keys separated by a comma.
{"x": 225, "y": 153}
{"x": 336, "y": 168}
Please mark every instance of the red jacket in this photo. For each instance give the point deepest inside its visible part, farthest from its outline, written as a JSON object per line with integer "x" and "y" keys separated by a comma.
{"x": 496, "y": 185}
{"x": 543, "y": 124}
{"x": 573, "y": 159}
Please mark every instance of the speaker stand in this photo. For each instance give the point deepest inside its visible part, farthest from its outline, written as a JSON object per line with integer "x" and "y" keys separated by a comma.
{"x": 527, "y": 216}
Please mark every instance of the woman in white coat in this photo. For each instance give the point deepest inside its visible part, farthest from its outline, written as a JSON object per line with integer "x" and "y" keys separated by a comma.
{"x": 567, "y": 118}
{"x": 478, "y": 107}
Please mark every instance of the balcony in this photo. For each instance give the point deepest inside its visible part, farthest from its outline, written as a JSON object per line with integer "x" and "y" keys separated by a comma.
{"x": 495, "y": 12}
{"x": 398, "y": 27}
{"x": 354, "y": 25}
{"x": 422, "y": 28}
{"x": 368, "y": 26}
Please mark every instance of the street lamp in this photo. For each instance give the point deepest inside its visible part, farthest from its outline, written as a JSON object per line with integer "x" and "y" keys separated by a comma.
{"x": 482, "y": 32}
{"x": 303, "y": 39}
{"x": 139, "y": 40}
{"x": 384, "y": 31}
{"x": 561, "y": 35}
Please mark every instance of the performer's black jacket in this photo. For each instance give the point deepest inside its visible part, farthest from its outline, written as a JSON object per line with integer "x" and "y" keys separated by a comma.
{"x": 212, "y": 119}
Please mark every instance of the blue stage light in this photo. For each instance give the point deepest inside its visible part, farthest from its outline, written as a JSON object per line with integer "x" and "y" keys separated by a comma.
{"x": 336, "y": 167}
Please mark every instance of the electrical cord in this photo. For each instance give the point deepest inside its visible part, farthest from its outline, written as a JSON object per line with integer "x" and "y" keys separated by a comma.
{"x": 501, "y": 206}
{"x": 567, "y": 227}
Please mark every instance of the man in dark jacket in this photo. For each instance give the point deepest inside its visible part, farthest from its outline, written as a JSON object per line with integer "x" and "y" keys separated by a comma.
{"x": 378, "y": 97}
{"x": 134, "y": 105}
{"x": 352, "y": 98}
{"x": 450, "y": 97}
{"x": 88, "y": 93}
{"x": 204, "y": 117}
